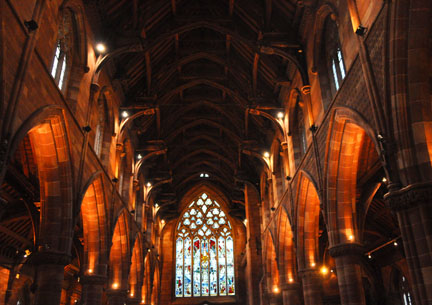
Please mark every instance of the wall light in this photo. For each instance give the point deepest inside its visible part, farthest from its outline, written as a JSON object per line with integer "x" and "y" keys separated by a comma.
{"x": 324, "y": 270}
{"x": 100, "y": 47}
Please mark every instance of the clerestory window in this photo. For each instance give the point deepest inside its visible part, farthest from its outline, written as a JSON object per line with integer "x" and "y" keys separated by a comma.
{"x": 204, "y": 251}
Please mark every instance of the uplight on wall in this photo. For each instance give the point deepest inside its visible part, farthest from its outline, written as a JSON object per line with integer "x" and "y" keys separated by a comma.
{"x": 324, "y": 270}
{"x": 115, "y": 285}
{"x": 276, "y": 289}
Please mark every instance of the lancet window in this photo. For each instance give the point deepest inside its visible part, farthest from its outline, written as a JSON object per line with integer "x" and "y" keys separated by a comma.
{"x": 204, "y": 259}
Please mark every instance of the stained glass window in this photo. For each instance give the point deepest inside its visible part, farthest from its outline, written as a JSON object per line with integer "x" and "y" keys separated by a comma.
{"x": 204, "y": 263}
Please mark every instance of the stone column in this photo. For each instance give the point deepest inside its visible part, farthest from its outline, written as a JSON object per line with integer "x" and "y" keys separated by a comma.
{"x": 50, "y": 276}
{"x": 291, "y": 294}
{"x": 413, "y": 208}
{"x": 116, "y": 297}
{"x": 312, "y": 289}
{"x": 347, "y": 258}
{"x": 133, "y": 301}
{"x": 92, "y": 289}
{"x": 253, "y": 246}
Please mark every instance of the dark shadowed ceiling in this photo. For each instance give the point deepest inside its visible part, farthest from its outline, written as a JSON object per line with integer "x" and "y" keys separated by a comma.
{"x": 197, "y": 66}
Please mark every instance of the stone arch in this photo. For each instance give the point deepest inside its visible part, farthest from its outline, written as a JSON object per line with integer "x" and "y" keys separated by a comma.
{"x": 46, "y": 131}
{"x": 77, "y": 64}
{"x": 46, "y": 128}
{"x": 136, "y": 269}
{"x": 126, "y": 173}
{"x": 155, "y": 291}
{"x": 147, "y": 280}
{"x": 119, "y": 257}
{"x": 104, "y": 126}
{"x": 348, "y": 132}
{"x": 324, "y": 11}
{"x": 286, "y": 250}
{"x": 94, "y": 219}
{"x": 271, "y": 264}
{"x": 297, "y": 131}
{"x": 308, "y": 209}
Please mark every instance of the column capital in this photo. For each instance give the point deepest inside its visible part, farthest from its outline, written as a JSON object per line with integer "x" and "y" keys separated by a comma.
{"x": 290, "y": 286}
{"x": 346, "y": 249}
{"x": 116, "y": 293}
{"x": 411, "y": 196}
{"x": 50, "y": 258}
{"x": 95, "y": 279}
{"x": 308, "y": 272}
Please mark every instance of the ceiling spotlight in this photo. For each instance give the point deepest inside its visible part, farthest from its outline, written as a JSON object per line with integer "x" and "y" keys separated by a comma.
{"x": 206, "y": 175}
{"x": 266, "y": 154}
{"x": 201, "y": 175}
{"x": 395, "y": 243}
{"x": 125, "y": 114}
{"x": 139, "y": 157}
{"x": 369, "y": 256}
{"x": 384, "y": 179}
{"x": 280, "y": 115}
{"x": 100, "y": 47}
{"x": 149, "y": 184}
{"x": 156, "y": 205}
{"x": 162, "y": 221}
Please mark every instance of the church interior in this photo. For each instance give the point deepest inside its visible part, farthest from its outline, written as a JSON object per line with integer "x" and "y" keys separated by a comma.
{"x": 216, "y": 152}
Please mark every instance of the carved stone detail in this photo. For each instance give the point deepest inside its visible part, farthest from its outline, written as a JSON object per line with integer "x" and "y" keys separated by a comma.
{"x": 411, "y": 196}
{"x": 346, "y": 249}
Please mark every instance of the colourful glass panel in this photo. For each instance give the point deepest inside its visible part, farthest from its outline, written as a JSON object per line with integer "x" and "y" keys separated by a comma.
{"x": 179, "y": 268}
{"x": 196, "y": 266}
{"x": 187, "y": 267}
{"x": 204, "y": 259}
{"x": 230, "y": 265}
{"x": 222, "y": 266}
{"x": 205, "y": 267}
{"x": 213, "y": 267}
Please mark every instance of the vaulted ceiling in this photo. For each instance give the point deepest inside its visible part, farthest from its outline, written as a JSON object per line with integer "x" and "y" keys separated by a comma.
{"x": 194, "y": 69}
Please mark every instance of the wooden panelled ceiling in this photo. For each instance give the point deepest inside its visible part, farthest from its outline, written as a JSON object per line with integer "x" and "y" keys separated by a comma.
{"x": 200, "y": 63}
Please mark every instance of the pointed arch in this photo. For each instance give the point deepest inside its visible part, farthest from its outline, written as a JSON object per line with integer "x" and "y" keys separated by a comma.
{"x": 271, "y": 264}
{"x": 93, "y": 215}
{"x": 136, "y": 268}
{"x": 308, "y": 209}
{"x": 119, "y": 257}
{"x": 347, "y": 135}
{"x": 286, "y": 252}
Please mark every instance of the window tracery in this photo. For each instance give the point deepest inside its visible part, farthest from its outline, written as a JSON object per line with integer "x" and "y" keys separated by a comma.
{"x": 62, "y": 56}
{"x": 204, "y": 251}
